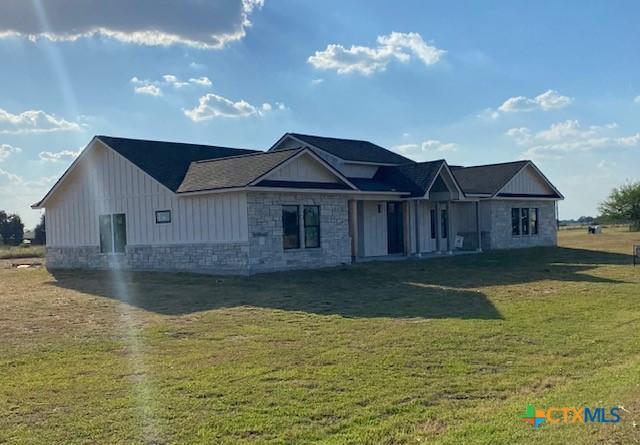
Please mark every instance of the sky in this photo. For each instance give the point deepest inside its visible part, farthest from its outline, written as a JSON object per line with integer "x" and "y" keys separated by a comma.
{"x": 471, "y": 82}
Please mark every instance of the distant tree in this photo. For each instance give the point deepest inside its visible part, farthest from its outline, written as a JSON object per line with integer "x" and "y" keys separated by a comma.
{"x": 11, "y": 229}
{"x": 40, "y": 233}
{"x": 623, "y": 205}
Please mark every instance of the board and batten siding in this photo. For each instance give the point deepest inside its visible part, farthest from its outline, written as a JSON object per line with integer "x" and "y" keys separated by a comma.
{"x": 105, "y": 183}
{"x": 303, "y": 168}
{"x": 527, "y": 182}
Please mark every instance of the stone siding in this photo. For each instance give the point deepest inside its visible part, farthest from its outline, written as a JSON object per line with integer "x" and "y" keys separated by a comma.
{"x": 500, "y": 217}
{"x": 200, "y": 258}
{"x": 265, "y": 232}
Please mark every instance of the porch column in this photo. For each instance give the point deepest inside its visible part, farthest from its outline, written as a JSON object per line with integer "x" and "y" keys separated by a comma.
{"x": 353, "y": 228}
{"x": 450, "y": 240}
{"x": 479, "y": 249}
{"x": 438, "y": 225}
{"x": 406, "y": 229}
{"x": 416, "y": 209}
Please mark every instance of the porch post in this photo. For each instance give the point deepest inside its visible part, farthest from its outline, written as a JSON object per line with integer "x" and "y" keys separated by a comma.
{"x": 406, "y": 229}
{"x": 449, "y": 229}
{"x": 438, "y": 225}
{"x": 353, "y": 228}
{"x": 479, "y": 249}
{"x": 416, "y": 209}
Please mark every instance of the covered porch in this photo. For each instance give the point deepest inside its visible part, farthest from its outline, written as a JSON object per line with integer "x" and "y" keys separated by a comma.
{"x": 440, "y": 221}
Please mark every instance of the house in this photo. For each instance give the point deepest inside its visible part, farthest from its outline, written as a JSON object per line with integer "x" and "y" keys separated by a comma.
{"x": 307, "y": 202}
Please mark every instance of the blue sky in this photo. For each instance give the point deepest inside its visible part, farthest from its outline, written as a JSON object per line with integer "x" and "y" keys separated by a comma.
{"x": 472, "y": 82}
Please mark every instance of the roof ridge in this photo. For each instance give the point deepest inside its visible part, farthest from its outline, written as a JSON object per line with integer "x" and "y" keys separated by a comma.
{"x": 246, "y": 155}
{"x": 456, "y": 167}
{"x": 331, "y": 137}
{"x": 99, "y": 136}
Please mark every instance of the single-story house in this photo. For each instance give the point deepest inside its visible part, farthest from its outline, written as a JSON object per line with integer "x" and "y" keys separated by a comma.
{"x": 307, "y": 202}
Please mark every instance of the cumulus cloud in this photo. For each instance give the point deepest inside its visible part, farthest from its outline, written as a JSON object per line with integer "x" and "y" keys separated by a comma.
{"x": 212, "y": 105}
{"x": 6, "y": 150}
{"x": 196, "y": 23}
{"x": 548, "y": 100}
{"x": 368, "y": 60}
{"x": 426, "y": 150}
{"x": 64, "y": 155}
{"x": 149, "y": 90}
{"x": 563, "y": 138}
{"x": 155, "y": 87}
{"x": 33, "y": 121}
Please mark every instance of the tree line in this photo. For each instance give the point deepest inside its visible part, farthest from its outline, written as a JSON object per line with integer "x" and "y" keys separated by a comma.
{"x": 12, "y": 230}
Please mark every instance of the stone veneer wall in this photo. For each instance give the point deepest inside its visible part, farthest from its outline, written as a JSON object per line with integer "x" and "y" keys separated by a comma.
{"x": 201, "y": 258}
{"x": 500, "y": 232}
{"x": 265, "y": 232}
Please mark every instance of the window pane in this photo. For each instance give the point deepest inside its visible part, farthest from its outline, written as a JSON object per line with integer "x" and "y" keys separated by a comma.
{"x": 444, "y": 219}
{"x": 106, "y": 240}
{"x": 534, "y": 221}
{"x": 290, "y": 227}
{"x": 432, "y": 214}
{"x": 525, "y": 221}
{"x": 312, "y": 237}
{"x": 515, "y": 221}
{"x": 311, "y": 226}
{"x": 163, "y": 216}
{"x": 119, "y": 232}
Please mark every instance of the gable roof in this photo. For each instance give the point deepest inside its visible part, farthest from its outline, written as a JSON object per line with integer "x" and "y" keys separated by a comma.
{"x": 349, "y": 149}
{"x": 486, "y": 179}
{"x": 167, "y": 162}
{"x": 246, "y": 170}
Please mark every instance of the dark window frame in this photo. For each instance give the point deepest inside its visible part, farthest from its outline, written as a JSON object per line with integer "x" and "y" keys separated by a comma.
{"x": 444, "y": 223}
{"x": 515, "y": 217}
{"x": 534, "y": 223}
{"x": 158, "y": 212}
{"x": 525, "y": 228}
{"x": 433, "y": 221}
{"x": 288, "y": 231}
{"x": 112, "y": 243}
{"x": 306, "y": 226}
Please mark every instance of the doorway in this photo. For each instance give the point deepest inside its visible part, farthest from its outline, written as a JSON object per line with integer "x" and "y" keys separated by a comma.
{"x": 395, "y": 228}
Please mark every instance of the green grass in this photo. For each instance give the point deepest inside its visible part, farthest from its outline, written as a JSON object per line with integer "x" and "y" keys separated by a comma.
{"x": 15, "y": 252}
{"x": 443, "y": 351}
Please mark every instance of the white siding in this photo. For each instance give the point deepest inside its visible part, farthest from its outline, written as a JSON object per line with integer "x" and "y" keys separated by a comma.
{"x": 303, "y": 168}
{"x": 527, "y": 181}
{"x": 374, "y": 228}
{"x": 104, "y": 183}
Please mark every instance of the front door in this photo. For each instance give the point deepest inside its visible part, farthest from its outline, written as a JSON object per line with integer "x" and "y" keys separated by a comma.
{"x": 395, "y": 228}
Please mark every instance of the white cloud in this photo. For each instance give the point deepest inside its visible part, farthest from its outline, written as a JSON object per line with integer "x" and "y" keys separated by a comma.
{"x": 33, "y": 121}
{"x": 426, "y": 150}
{"x": 154, "y": 87}
{"x": 196, "y": 23}
{"x": 204, "y": 81}
{"x": 563, "y": 138}
{"x": 150, "y": 90}
{"x": 315, "y": 82}
{"x": 548, "y": 100}
{"x": 6, "y": 150}
{"x": 64, "y": 155}
{"x": 212, "y": 105}
{"x": 637, "y": 99}
{"x": 367, "y": 60}
{"x": 10, "y": 177}
{"x": 266, "y": 107}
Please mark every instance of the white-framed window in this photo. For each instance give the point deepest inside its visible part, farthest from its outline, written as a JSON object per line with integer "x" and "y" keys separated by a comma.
{"x": 525, "y": 221}
{"x": 163, "y": 216}
{"x": 113, "y": 233}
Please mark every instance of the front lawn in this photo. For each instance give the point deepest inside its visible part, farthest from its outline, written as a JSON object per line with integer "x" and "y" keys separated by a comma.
{"x": 444, "y": 351}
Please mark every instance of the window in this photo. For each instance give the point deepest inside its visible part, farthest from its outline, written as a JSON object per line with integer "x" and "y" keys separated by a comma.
{"x": 432, "y": 215}
{"x": 524, "y": 216}
{"x": 113, "y": 233}
{"x": 163, "y": 216}
{"x": 444, "y": 222}
{"x": 534, "y": 221}
{"x": 311, "y": 226}
{"x": 515, "y": 221}
{"x": 290, "y": 227}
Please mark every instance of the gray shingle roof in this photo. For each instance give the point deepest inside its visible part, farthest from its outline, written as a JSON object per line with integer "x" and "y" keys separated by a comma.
{"x": 236, "y": 171}
{"x": 415, "y": 178}
{"x": 353, "y": 150}
{"x": 486, "y": 179}
{"x": 167, "y": 162}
